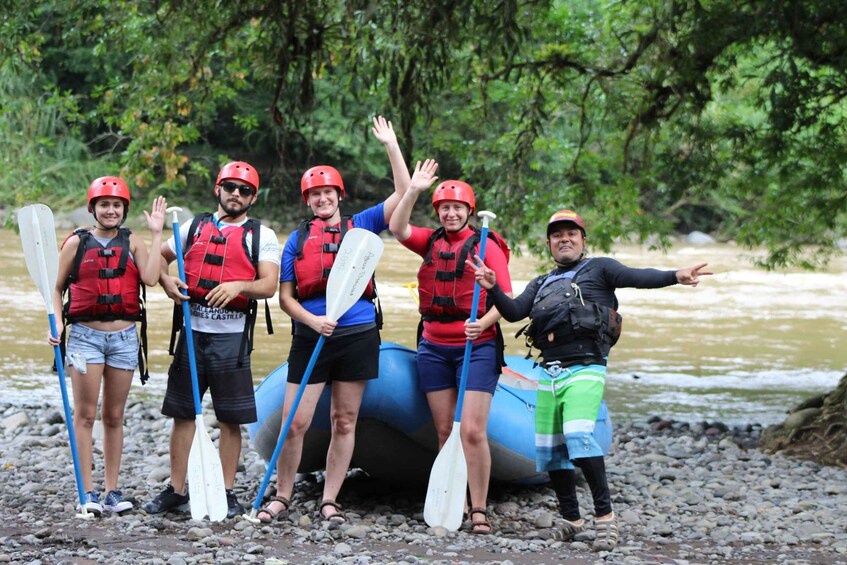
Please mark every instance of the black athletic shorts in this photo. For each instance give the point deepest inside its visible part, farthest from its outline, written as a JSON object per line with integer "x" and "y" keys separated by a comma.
{"x": 351, "y": 357}
{"x": 231, "y": 386}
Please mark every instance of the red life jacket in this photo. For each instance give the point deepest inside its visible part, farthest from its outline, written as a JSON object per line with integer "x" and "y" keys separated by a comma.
{"x": 445, "y": 283}
{"x": 317, "y": 246}
{"x": 212, "y": 258}
{"x": 104, "y": 283}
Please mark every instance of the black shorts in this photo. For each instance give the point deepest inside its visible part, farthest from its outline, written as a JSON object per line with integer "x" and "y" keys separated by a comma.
{"x": 231, "y": 386}
{"x": 353, "y": 357}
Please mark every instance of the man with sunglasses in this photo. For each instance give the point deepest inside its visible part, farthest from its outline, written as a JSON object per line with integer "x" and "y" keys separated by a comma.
{"x": 231, "y": 262}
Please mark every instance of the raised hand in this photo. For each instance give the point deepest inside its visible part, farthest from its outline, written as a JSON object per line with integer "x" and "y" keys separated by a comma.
{"x": 384, "y": 131}
{"x": 424, "y": 176}
{"x": 156, "y": 219}
{"x": 691, "y": 275}
{"x": 486, "y": 277}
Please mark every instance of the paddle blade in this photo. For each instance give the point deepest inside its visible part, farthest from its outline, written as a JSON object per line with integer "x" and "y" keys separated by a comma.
{"x": 448, "y": 482}
{"x": 206, "y": 487}
{"x": 352, "y": 270}
{"x": 38, "y": 237}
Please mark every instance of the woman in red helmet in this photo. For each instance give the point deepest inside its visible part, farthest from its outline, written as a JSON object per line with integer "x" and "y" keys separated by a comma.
{"x": 445, "y": 287}
{"x": 351, "y": 355}
{"x": 100, "y": 272}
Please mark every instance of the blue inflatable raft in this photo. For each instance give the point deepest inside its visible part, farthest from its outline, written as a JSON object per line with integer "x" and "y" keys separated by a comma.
{"x": 395, "y": 437}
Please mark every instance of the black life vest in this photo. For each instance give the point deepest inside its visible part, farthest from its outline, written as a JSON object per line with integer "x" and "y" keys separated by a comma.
{"x": 566, "y": 327}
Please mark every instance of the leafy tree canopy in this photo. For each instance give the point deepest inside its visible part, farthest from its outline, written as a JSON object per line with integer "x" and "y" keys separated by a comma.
{"x": 646, "y": 116}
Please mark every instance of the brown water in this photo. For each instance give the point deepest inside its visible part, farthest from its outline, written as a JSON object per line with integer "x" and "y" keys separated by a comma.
{"x": 741, "y": 347}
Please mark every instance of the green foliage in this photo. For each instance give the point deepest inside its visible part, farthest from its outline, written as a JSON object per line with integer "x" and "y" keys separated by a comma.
{"x": 41, "y": 159}
{"x": 646, "y": 116}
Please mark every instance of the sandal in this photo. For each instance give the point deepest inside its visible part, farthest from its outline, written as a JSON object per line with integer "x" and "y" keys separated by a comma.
{"x": 484, "y": 523}
{"x": 272, "y": 516}
{"x": 567, "y": 531}
{"x": 606, "y": 538}
{"x": 337, "y": 517}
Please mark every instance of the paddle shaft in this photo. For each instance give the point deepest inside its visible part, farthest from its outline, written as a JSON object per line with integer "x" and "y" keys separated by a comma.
{"x": 466, "y": 361}
{"x": 283, "y": 433}
{"x": 186, "y": 316}
{"x": 46, "y": 289}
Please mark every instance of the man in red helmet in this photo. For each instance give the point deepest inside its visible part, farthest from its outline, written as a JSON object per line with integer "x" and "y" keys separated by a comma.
{"x": 351, "y": 355}
{"x": 574, "y": 323}
{"x": 231, "y": 262}
{"x": 446, "y": 288}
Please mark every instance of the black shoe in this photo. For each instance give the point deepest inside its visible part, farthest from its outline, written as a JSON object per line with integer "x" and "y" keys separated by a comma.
{"x": 235, "y": 508}
{"x": 167, "y": 501}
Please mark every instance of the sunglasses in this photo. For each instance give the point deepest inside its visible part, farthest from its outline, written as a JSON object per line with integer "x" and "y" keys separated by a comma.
{"x": 243, "y": 190}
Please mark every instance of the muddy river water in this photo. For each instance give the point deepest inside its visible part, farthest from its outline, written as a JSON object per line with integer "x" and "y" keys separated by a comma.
{"x": 741, "y": 347}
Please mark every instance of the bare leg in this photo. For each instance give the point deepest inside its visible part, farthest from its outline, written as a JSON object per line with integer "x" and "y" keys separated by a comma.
{"x": 116, "y": 385}
{"x": 346, "y": 400}
{"x": 86, "y": 390}
{"x": 442, "y": 405}
{"x": 475, "y": 411}
{"x": 292, "y": 451}
{"x": 230, "y": 445}
{"x": 182, "y": 434}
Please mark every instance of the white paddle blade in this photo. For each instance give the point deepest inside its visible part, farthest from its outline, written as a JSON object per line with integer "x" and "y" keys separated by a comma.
{"x": 206, "y": 488}
{"x": 38, "y": 237}
{"x": 352, "y": 270}
{"x": 448, "y": 482}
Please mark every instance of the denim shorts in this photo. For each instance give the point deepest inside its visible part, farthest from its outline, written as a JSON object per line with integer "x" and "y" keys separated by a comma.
{"x": 115, "y": 349}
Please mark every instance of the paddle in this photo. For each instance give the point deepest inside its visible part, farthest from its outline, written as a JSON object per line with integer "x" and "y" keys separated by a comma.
{"x": 206, "y": 489}
{"x": 448, "y": 479}
{"x": 38, "y": 236}
{"x": 353, "y": 268}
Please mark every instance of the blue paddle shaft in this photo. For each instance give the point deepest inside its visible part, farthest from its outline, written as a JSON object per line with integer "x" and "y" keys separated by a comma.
{"x": 60, "y": 369}
{"x": 186, "y": 316}
{"x": 466, "y": 361}
{"x": 283, "y": 433}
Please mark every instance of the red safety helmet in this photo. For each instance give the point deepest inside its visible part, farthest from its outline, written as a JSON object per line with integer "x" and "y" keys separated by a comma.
{"x": 108, "y": 186}
{"x": 239, "y": 170}
{"x": 454, "y": 190}
{"x": 566, "y": 216}
{"x": 322, "y": 175}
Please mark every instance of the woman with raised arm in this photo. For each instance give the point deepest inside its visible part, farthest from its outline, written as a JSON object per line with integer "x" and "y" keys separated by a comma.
{"x": 351, "y": 355}
{"x": 101, "y": 272}
{"x": 445, "y": 287}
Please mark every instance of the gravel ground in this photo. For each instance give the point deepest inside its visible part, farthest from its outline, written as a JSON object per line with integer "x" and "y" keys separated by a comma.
{"x": 684, "y": 493}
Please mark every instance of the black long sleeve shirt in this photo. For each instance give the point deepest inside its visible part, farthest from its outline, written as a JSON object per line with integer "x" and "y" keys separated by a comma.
{"x": 597, "y": 280}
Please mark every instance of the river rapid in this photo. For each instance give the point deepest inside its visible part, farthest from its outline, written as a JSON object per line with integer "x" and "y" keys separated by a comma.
{"x": 743, "y": 346}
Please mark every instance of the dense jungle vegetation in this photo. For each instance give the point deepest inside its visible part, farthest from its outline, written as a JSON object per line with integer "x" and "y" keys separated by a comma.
{"x": 647, "y": 116}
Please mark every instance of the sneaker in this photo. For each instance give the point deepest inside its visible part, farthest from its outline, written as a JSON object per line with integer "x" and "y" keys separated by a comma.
{"x": 166, "y": 501}
{"x": 115, "y": 503}
{"x": 92, "y": 503}
{"x": 235, "y": 508}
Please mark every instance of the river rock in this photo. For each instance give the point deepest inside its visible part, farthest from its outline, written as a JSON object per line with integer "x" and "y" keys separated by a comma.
{"x": 699, "y": 238}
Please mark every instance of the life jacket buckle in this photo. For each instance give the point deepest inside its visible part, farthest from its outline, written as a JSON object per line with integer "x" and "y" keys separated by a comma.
{"x": 554, "y": 368}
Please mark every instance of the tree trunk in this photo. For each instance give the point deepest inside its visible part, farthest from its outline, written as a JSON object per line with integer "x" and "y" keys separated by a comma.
{"x": 816, "y": 429}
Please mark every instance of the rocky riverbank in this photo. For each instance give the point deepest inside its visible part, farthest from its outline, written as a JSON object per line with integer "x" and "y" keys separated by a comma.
{"x": 684, "y": 494}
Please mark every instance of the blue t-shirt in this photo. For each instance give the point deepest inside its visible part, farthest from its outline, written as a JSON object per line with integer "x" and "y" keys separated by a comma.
{"x": 362, "y": 312}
